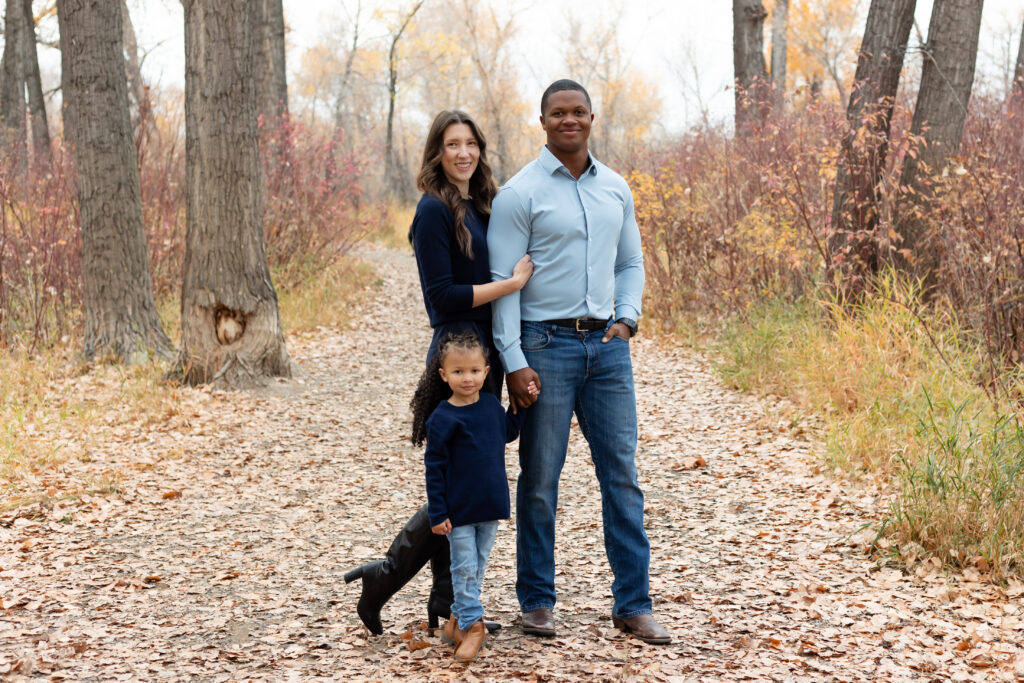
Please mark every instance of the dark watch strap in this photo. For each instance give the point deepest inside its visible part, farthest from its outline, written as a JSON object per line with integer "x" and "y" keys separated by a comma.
{"x": 630, "y": 323}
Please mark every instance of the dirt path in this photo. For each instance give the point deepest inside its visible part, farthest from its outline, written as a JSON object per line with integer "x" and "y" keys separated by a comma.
{"x": 221, "y": 556}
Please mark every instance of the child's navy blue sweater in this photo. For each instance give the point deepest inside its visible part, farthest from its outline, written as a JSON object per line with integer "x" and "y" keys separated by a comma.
{"x": 447, "y": 275}
{"x": 465, "y": 461}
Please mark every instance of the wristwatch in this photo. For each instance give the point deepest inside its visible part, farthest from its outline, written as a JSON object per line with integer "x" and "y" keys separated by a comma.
{"x": 630, "y": 323}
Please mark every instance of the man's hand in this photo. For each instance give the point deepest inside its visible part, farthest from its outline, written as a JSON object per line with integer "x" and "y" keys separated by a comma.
{"x": 442, "y": 528}
{"x": 616, "y": 330}
{"x": 520, "y": 393}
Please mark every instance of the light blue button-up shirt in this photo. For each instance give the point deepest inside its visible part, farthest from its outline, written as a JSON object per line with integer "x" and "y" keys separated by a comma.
{"x": 584, "y": 242}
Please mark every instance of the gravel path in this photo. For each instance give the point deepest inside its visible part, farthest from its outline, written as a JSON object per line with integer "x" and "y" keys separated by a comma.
{"x": 219, "y": 556}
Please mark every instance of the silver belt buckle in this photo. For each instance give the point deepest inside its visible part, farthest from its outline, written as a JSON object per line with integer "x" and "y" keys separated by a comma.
{"x": 578, "y": 325}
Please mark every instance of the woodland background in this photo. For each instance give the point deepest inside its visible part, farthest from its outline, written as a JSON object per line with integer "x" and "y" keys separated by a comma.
{"x": 851, "y": 239}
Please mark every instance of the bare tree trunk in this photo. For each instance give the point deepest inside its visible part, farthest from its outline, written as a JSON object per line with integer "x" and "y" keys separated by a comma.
{"x": 1018, "y": 72}
{"x": 36, "y": 102}
{"x": 946, "y": 81}
{"x": 485, "y": 65}
{"x": 12, "y": 84}
{"x": 275, "y": 80}
{"x": 230, "y": 326}
{"x": 341, "y": 110}
{"x": 396, "y": 176}
{"x": 136, "y": 84}
{"x": 120, "y": 315}
{"x": 752, "y": 97}
{"x": 780, "y": 23}
{"x": 866, "y": 143}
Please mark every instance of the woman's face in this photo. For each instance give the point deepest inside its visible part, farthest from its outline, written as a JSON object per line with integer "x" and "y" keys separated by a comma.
{"x": 461, "y": 155}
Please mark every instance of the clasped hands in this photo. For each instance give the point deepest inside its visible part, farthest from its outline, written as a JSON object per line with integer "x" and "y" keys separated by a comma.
{"x": 524, "y": 384}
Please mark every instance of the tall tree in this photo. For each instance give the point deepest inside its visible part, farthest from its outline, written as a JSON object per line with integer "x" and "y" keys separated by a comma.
{"x": 1018, "y": 72}
{"x": 137, "y": 90}
{"x": 36, "y": 103}
{"x": 12, "y": 81}
{"x": 487, "y": 40}
{"x": 946, "y": 81}
{"x": 866, "y": 142}
{"x": 396, "y": 175}
{"x": 120, "y": 315}
{"x": 752, "y": 96}
{"x": 780, "y": 25}
{"x": 626, "y": 105}
{"x": 273, "y": 80}
{"x": 822, "y": 37}
{"x": 230, "y": 324}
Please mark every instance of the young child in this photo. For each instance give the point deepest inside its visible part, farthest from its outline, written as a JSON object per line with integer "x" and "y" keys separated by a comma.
{"x": 467, "y": 490}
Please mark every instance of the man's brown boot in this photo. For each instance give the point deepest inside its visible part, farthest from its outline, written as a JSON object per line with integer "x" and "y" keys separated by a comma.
{"x": 471, "y": 644}
{"x": 451, "y": 633}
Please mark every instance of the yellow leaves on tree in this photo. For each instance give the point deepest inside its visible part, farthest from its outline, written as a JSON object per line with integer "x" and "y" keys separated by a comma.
{"x": 823, "y": 36}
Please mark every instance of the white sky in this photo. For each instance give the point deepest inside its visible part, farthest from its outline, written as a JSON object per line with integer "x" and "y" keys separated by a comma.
{"x": 657, "y": 34}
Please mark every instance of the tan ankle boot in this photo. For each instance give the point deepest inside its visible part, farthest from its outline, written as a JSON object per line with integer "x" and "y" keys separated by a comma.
{"x": 451, "y": 633}
{"x": 471, "y": 643}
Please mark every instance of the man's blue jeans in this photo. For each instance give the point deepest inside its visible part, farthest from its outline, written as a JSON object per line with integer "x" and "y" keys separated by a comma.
{"x": 470, "y": 547}
{"x": 578, "y": 373}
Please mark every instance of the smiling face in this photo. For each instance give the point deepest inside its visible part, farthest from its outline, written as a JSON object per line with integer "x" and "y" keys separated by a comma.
{"x": 566, "y": 121}
{"x": 460, "y": 155}
{"x": 464, "y": 370}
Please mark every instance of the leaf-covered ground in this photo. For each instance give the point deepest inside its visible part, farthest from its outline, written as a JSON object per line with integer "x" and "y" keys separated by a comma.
{"x": 219, "y": 553}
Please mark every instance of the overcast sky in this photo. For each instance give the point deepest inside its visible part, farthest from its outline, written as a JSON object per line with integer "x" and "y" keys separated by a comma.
{"x": 656, "y": 33}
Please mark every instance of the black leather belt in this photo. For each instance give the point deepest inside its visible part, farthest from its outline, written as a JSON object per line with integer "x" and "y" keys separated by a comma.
{"x": 580, "y": 324}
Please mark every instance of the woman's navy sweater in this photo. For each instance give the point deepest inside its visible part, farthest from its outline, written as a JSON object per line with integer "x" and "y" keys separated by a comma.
{"x": 465, "y": 461}
{"x": 447, "y": 275}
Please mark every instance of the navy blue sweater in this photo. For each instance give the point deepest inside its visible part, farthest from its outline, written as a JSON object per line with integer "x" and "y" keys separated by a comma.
{"x": 446, "y": 275}
{"x": 465, "y": 461}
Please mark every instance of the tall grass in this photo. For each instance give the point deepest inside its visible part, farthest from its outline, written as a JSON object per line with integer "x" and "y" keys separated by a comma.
{"x": 898, "y": 388}
{"x": 917, "y": 385}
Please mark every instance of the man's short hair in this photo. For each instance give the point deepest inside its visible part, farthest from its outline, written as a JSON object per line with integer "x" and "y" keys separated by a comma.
{"x": 559, "y": 86}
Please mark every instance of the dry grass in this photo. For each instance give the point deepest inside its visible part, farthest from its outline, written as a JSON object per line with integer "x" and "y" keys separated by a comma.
{"x": 59, "y": 417}
{"x": 899, "y": 394}
{"x": 394, "y": 229}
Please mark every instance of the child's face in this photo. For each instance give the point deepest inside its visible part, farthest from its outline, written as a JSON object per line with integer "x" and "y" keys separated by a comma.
{"x": 464, "y": 370}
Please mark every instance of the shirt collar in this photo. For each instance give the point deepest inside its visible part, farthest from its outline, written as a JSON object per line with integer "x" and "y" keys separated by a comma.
{"x": 550, "y": 163}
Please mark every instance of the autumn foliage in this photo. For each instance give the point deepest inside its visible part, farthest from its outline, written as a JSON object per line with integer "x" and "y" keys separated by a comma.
{"x": 916, "y": 380}
{"x": 313, "y": 212}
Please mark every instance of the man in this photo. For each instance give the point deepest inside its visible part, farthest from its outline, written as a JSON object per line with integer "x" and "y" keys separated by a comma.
{"x": 574, "y": 216}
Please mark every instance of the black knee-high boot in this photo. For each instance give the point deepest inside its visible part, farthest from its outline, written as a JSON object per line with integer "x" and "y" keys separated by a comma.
{"x": 441, "y": 593}
{"x": 413, "y": 547}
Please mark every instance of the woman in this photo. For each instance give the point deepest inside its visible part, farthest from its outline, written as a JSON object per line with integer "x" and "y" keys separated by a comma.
{"x": 449, "y": 237}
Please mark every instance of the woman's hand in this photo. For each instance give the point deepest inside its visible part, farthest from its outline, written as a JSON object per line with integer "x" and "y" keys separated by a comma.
{"x": 522, "y": 272}
{"x": 442, "y": 528}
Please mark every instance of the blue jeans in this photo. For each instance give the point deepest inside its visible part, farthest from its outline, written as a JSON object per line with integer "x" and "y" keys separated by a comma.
{"x": 578, "y": 373}
{"x": 471, "y": 546}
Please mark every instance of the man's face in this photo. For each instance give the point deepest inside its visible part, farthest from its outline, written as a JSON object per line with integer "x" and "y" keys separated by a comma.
{"x": 566, "y": 120}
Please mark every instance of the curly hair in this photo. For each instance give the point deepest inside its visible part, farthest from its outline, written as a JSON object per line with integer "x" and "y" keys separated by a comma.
{"x": 431, "y": 389}
{"x": 432, "y": 179}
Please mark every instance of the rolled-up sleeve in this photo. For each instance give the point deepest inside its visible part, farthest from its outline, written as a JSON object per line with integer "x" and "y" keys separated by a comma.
{"x": 508, "y": 238}
{"x": 629, "y": 265}
{"x": 432, "y": 232}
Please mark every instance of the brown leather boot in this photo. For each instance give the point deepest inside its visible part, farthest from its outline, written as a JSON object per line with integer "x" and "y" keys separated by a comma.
{"x": 452, "y": 634}
{"x": 471, "y": 643}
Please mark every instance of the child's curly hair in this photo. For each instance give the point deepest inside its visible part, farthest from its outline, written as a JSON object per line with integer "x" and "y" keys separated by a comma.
{"x": 431, "y": 389}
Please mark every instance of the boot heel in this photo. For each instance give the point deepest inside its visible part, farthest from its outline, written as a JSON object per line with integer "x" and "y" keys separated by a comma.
{"x": 357, "y": 573}
{"x": 434, "y": 616}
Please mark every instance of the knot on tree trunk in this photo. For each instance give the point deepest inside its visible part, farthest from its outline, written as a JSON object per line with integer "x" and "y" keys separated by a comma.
{"x": 230, "y": 325}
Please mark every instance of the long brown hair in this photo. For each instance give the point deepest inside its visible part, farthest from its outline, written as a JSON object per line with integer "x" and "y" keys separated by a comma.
{"x": 432, "y": 180}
